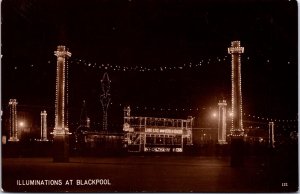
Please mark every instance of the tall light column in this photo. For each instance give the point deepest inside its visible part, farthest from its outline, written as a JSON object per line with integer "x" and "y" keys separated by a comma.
{"x": 13, "y": 121}
{"x": 44, "y": 126}
{"x": 61, "y": 131}
{"x": 271, "y": 134}
{"x": 236, "y": 94}
{"x": 237, "y": 130}
{"x": 61, "y": 123}
{"x": 222, "y": 122}
{"x": 105, "y": 98}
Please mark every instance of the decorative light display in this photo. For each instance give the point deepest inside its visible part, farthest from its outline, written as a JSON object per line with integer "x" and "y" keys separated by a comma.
{"x": 148, "y": 67}
{"x": 236, "y": 83}
{"x": 61, "y": 101}
{"x": 165, "y": 68}
{"x": 222, "y": 122}
{"x": 151, "y": 67}
{"x": 105, "y": 98}
{"x": 44, "y": 126}
{"x": 13, "y": 120}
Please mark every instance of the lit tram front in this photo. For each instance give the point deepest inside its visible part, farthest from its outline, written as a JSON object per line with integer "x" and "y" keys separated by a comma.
{"x": 149, "y": 134}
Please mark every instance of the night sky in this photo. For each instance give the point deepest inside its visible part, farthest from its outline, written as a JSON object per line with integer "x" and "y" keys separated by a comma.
{"x": 152, "y": 34}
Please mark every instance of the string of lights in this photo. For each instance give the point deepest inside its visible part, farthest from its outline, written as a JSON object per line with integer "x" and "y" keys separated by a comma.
{"x": 149, "y": 67}
{"x": 247, "y": 116}
{"x": 163, "y": 68}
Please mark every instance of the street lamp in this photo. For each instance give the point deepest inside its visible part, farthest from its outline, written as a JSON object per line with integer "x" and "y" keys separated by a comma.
{"x": 214, "y": 114}
{"x": 214, "y": 119}
{"x": 21, "y": 125}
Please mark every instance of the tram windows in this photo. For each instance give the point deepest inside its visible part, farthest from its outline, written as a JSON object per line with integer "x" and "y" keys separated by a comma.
{"x": 160, "y": 122}
{"x": 150, "y": 140}
{"x": 159, "y": 140}
{"x": 168, "y": 140}
{"x": 137, "y": 121}
{"x": 166, "y": 123}
{"x": 177, "y": 123}
{"x": 177, "y": 139}
{"x": 152, "y": 122}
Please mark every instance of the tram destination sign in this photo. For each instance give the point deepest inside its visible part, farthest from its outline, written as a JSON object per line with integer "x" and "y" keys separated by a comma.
{"x": 167, "y": 131}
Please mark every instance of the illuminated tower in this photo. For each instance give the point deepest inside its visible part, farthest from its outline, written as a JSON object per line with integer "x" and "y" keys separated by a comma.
{"x": 271, "y": 134}
{"x": 105, "y": 98}
{"x": 61, "y": 131}
{"x": 222, "y": 122}
{"x": 44, "y": 126}
{"x": 13, "y": 121}
{"x": 61, "y": 113}
{"x": 236, "y": 93}
{"x": 237, "y": 131}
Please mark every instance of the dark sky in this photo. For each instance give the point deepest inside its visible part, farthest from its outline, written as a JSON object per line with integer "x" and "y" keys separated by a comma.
{"x": 152, "y": 33}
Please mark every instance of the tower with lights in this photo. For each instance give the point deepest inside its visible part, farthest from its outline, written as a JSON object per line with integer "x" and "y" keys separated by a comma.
{"x": 13, "y": 120}
{"x": 236, "y": 89}
{"x": 222, "y": 122}
{"x": 44, "y": 126}
{"x": 61, "y": 131}
{"x": 105, "y": 98}
{"x": 237, "y": 130}
{"x": 271, "y": 135}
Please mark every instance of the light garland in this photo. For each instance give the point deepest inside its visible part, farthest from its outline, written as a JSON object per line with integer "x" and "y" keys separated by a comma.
{"x": 201, "y": 109}
{"x": 146, "y": 68}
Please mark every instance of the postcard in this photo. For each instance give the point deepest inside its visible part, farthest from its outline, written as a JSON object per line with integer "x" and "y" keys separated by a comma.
{"x": 149, "y": 96}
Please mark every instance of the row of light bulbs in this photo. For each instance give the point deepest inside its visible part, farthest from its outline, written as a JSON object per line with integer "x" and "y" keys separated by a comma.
{"x": 199, "y": 109}
{"x": 148, "y": 68}
{"x": 154, "y": 67}
{"x": 143, "y": 67}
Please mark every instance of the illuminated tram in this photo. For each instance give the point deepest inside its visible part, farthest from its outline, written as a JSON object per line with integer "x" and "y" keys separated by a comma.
{"x": 149, "y": 134}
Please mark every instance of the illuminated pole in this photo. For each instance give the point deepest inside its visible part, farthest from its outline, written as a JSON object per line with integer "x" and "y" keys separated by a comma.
{"x": 236, "y": 93}
{"x": 271, "y": 134}
{"x": 44, "y": 126}
{"x": 237, "y": 130}
{"x": 61, "y": 131}
{"x": 13, "y": 121}
{"x": 105, "y": 98}
{"x": 222, "y": 122}
{"x": 61, "y": 123}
